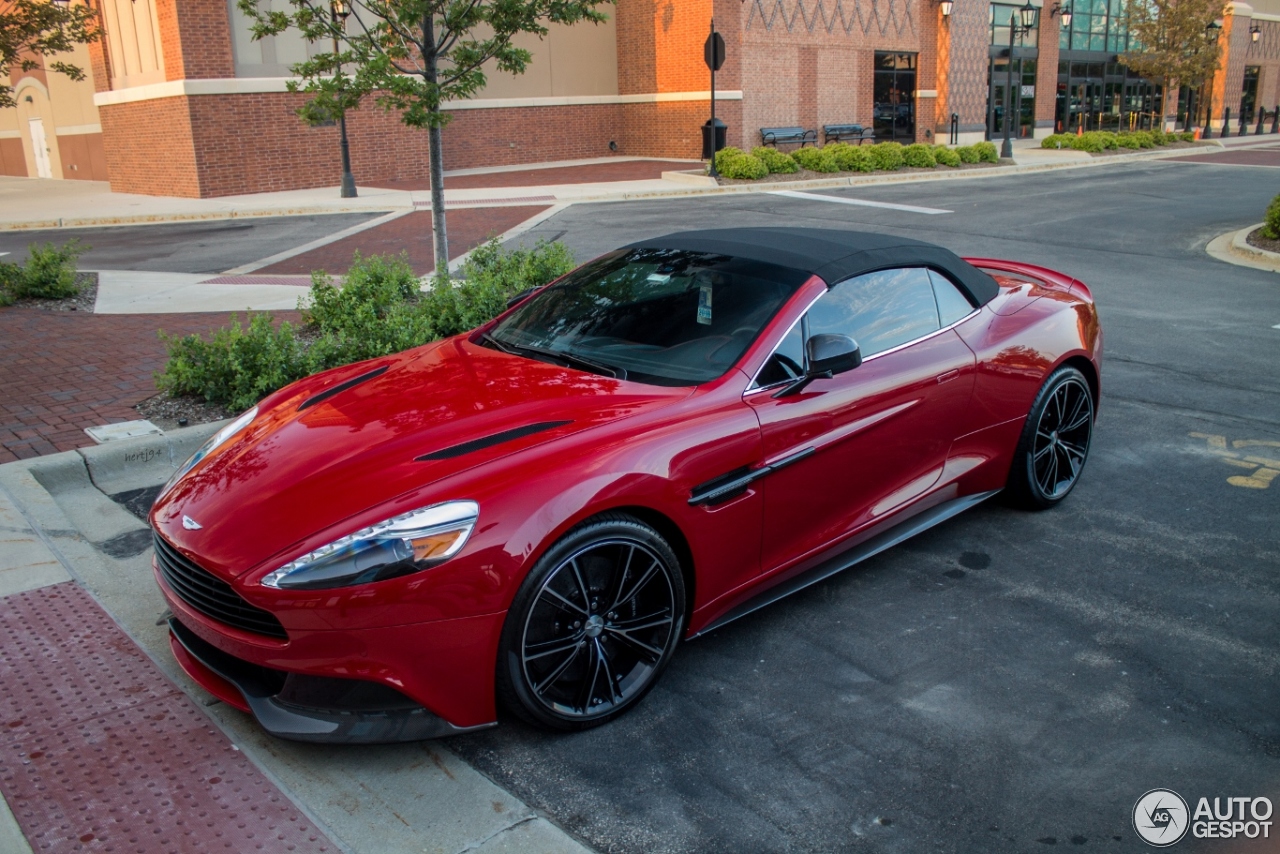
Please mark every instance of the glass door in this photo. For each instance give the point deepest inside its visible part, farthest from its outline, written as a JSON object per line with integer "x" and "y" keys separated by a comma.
{"x": 894, "y": 97}
{"x": 1022, "y": 98}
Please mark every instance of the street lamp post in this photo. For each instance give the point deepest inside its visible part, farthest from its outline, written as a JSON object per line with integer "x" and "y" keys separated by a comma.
{"x": 1027, "y": 14}
{"x": 340, "y": 11}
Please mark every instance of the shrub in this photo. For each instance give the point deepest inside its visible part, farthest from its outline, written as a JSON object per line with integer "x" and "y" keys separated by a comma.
{"x": 1095, "y": 141}
{"x": 920, "y": 156}
{"x": 816, "y": 159}
{"x": 947, "y": 157}
{"x": 987, "y": 152}
{"x": 238, "y": 366}
{"x": 1128, "y": 140}
{"x": 1187, "y": 136}
{"x": 735, "y": 163}
{"x": 850, "y": 158}
{"x": 777, "y": 162}
{"x": 887, "y": 156}
{"x": 50, "y": 273}
{"x": 1057, "y": 140}
{"x": 1271, "y": 223}
{"x": 380, "y": 309}
{"x": 487, "y": 279}
{"x": 968, "y": 154}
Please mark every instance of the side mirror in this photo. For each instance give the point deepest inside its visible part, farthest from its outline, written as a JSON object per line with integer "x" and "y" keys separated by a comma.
{"x": 831, "y": 354}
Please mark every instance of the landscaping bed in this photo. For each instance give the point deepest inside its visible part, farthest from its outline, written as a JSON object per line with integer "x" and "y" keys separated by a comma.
{"x": 840, "y": 158}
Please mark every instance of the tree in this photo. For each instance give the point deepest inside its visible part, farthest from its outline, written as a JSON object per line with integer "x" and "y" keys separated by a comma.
{"x": 412, "y": 56}
{"x": 1174, "y": 40}
{"x": 31, "y": 30}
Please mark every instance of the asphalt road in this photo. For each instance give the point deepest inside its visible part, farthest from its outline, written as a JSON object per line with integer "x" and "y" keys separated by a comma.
{"x": 1008, "y": 681}
{"x": 190, "y": 247}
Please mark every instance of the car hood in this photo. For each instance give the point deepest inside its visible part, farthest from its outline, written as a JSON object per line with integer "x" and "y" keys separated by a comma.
{"x": 301, "y": 468}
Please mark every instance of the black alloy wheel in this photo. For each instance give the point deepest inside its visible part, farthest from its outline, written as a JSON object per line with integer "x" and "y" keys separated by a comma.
{"x": 1055, "y": 441}
{"x": 593, "y": 626}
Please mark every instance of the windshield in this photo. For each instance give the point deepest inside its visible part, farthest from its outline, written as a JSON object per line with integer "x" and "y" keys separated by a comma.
{"x": 659, "y": 316}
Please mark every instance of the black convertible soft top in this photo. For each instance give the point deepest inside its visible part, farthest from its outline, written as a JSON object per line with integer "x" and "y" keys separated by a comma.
{"x": 829, "y": 254}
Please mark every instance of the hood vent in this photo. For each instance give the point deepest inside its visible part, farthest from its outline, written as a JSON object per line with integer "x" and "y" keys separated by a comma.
{"x": 489, "y": 441}
{"x": 341, "y": 387}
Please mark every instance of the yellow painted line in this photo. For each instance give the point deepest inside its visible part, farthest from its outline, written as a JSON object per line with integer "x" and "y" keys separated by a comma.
{"x": 1260, "y": 479}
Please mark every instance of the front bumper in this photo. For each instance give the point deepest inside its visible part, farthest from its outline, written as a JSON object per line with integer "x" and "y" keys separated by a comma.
{"x": 304, "y": 708}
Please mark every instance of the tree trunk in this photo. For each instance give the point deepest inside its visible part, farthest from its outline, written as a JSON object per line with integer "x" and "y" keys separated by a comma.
{"x": 435, "y": 159}
{"x": 439, "y": 232}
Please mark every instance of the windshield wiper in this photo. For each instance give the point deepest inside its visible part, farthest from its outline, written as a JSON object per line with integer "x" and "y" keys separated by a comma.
{"x": 570, "y": 359}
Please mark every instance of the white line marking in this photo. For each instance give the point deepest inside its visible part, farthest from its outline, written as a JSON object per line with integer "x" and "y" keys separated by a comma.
{"x": 1277, "y": 326}
{"x": 817, "y": 197}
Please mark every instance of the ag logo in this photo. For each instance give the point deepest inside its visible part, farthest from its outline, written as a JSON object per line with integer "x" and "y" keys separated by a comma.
{"x": 1160, "y": 817}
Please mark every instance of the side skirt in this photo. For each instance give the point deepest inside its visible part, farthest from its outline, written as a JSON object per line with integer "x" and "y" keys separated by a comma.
{"x": 886, "y": 539}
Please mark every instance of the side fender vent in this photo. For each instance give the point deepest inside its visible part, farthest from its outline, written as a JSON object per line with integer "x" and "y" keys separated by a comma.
{"x": 489, "y": 441}
{"x": 341, "y": 387}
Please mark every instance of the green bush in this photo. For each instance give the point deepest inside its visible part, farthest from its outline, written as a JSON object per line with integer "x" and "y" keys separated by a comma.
{"x": 735, "y": 163}
{"x": 816, "y": 159}
{"x": 987, "y": 152}
{"x": 1058, "y": 140}
{"x": 487, "y": 279}
{"x": 850, "y": 158}
{"x": 380, "y": 309}
{"x": 968, "y": 154}
{"x": 947, "y": 157}
{"x": 777, "y": 162}
{"x": 1095, "y": 141}
{"x": 887, "y": 156}
{"x": 50, "y": 273}
{"x": 920, "y": 156}
{"x": 1271, "y": 223}
{"x": 1187, "y": 136}
{"x": 238, "y": 366}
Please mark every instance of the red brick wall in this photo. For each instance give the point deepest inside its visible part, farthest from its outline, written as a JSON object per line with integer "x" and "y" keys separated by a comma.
{"x": 195, "y": 37}
{"x": 1266, "y": 54}
{"x": 149, "y": 148}
{"x": 1047, "y": 69}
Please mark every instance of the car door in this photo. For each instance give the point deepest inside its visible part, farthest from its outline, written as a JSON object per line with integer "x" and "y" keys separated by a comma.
{"x": 862, "y": 443}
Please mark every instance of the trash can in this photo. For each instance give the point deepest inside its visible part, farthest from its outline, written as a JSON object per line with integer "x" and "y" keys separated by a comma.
{"x": 713, "y": 131}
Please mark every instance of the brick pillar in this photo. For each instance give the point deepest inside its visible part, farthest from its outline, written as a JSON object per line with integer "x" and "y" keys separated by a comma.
{"x": 195, "y": 37}
{"x": 1229, "y": 80}
{"x": 1047, "y": 72}
{"x": 928, "y": 117}
{"x": 967, "y": 64}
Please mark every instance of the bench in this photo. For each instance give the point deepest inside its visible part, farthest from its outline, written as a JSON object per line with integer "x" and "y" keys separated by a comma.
{"x": 773, "y": 136}
{"x": 848, "y": 133}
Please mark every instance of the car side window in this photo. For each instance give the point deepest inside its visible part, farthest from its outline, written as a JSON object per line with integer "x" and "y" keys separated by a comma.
{"x": 952, "y": 304}
{"x": 879, "y": 310}
{"x": 787, "y": 361}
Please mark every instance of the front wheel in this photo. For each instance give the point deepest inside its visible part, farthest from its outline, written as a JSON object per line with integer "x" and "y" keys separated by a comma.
{"x": 593, "y": 625}
{"x": 1055, "y": 442}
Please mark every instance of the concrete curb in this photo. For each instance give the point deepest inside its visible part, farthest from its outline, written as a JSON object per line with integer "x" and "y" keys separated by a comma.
{"x": 1234, "y": 248}
{"x": 692, "y": 187}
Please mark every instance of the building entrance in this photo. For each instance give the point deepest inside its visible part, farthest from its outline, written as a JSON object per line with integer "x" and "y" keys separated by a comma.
{"x": 894, "y": 103}
{"x": 1022, "y": 100}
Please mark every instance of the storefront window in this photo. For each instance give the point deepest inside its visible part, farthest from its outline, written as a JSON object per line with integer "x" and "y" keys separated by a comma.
{"x": 999, "y": 20}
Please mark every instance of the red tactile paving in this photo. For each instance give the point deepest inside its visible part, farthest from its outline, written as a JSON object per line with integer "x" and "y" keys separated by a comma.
{"x": 1240, "y": 157}
{"x": 623, "y": 170}
{"x": 64, "y": 371}
{"x": 100, "y": 752}
{"x": 411, "y": 233}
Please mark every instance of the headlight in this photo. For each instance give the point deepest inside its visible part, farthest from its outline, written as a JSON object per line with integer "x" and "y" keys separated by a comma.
{"x": 398, "y": 546}
{"x": 207, "y": 448}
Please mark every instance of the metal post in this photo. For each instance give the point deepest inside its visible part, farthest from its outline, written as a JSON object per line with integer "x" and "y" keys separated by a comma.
{"x": 1244, "y": 121}
{"x": 348, "y": 180}
{"x": 1262, "y": 115}
{"x": 955, "y": 129}
{"x": 1006, "y": 150}
{"x": 1226, "y": 122}
{"x": 713, "y": 172}
{"x": 1275, "y": 120}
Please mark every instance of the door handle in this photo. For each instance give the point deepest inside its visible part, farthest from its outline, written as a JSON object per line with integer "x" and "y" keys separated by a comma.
{"x": 949, "y": 375}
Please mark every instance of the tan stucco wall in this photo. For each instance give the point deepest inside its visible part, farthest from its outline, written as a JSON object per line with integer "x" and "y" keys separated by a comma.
{"x": 73, "y": 101}
{"x": 133, "y": 43}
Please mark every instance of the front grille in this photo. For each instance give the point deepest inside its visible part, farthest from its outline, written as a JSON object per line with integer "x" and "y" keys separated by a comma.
{"x": 211, "y": 596}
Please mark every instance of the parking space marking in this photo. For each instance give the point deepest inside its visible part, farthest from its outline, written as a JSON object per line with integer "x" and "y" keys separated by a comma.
{"x": 1264, "y": 469}
{"x": 818, "y": 197}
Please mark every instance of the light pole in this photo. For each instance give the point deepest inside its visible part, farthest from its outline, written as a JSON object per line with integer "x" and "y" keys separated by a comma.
{"x": 1211, "y": 31}
{"x": 1027, "y": 14}
{"x": 340, "y": 11}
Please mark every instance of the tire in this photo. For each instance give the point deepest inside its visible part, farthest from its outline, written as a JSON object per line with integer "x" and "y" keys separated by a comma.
{"x": 567, "y": 660}
{"x": 1055, "y": 442}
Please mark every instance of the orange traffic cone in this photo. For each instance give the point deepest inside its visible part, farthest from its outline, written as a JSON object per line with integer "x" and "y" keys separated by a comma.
{"x": 1079, "y": 130}
{"x": 1196, "y": 132}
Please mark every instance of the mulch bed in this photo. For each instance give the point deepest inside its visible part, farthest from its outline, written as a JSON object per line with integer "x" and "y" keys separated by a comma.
{"x": 806, "y": 175}
{"x": 1111, "y": 152}
{"x": 168, "y": 413}
{"x": 1255, "y": 238}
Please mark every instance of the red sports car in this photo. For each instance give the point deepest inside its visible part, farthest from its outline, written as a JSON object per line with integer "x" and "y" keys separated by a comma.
{"x": 535, "y": 513}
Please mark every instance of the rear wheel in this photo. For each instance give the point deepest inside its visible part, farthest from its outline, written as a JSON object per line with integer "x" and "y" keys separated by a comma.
{"x": 1055, "y": 442}
{"x": 593, "y": 626}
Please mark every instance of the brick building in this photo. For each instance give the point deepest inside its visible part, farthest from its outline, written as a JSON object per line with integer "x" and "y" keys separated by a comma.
{"x": 182, "y": 101}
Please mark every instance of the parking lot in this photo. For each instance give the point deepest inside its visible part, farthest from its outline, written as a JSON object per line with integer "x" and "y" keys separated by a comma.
{"x": 1004, "y": 682}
